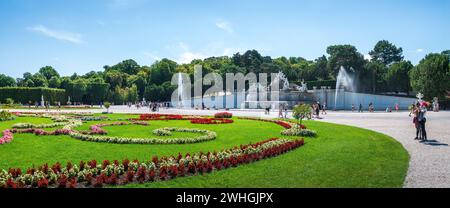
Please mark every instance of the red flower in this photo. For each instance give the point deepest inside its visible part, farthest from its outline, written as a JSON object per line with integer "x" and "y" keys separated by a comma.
{"x": 43, "y": 183}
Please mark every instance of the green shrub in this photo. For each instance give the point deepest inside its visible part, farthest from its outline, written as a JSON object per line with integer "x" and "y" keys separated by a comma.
{"x": 26, "y": 94}
{"x": 6, "y": 116}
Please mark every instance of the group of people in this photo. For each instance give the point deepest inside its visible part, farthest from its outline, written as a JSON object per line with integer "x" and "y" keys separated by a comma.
{"x": 282, "y": 111}
{"x": 419, "y": 110}
{"x": 153, "y": 106}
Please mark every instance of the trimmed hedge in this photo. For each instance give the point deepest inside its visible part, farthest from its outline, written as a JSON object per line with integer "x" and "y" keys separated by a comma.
{"x": 320, "y": 83}
{"x": 25, "y": 94}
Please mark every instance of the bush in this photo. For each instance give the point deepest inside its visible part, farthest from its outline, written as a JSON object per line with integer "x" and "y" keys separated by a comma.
{"x": 6, "y": 116}
{"x": 9, "y": 101}
{"x": 26, "y": 94}
{"x": 296, "y": 131}
{"x": 223, "y": 115}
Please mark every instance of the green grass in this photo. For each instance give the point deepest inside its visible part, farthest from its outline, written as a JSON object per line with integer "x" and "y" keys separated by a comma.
{"x": 340, "y": 156}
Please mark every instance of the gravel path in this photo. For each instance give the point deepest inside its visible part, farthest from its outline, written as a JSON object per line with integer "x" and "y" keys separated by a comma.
{"x": 430, "y": 162}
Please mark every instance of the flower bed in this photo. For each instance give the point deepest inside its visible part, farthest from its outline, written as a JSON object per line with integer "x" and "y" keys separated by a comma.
{"x": 299, "y": 131}
{"x": 40, "y": 126}
{"x": 208, "y": 135}
{"x": 41, "y": 132}
{"x": 147, "y": 117}
{"x": 7, "y": 137}
{"x": 6, "y": 116}
{"x": 96, "y": 129}
{"x": 223, "y": 115}
{"x": 211, "y": 121}
{"x": 92, "y": 174}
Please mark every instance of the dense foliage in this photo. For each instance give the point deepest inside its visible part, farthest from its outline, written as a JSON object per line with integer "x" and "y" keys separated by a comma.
{"x": 127, "y": 81}
{"x": 26, "y": 95}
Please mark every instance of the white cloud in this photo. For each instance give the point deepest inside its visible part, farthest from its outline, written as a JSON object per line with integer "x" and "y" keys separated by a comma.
{"x": 368, "y": 57}
{"x": 224, "y": 25}
{"x": 419, "y": 50}
{"x": 59, "y": 35}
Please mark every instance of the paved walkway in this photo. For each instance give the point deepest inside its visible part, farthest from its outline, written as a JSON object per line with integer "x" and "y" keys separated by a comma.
{"x": 430, "y": 162}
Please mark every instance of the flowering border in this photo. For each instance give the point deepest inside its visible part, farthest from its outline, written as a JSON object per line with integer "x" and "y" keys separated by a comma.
{"x": 208, "y": 135}
{"x": 91, "y": 174}
{"x": 7, "y": 137}
{"x": 211, "y": 121}
{"x": 223, "y": 115}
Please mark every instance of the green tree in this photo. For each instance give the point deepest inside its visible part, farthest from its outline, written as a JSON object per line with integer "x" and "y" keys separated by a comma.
{"x": 97, "y": 90}
{"x": 39, "y": 80}
{"x": 132, "y": 94}
{"x": 48, "y": 72}
{"x": 346, "y": 56}
{"x": 386, "y": 52}
{"x": 321, "y": 68}
{"x": 114, "y": 78}
{"x": 373, "y": 77}
{"x": 7, "y": 81}
{"x": 162, "y": 71}
{"x": 54, "y": 82}
{"x": 77, "y": 90}
{"x": 397, "y": 76}
{"x": 301, "y": 111}
{"x": 431, "y": 76}
{"x": 127, "y": 66}
{"x": 107, "y": 106}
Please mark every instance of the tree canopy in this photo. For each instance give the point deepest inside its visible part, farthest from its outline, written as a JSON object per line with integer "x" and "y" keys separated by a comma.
{"x": 127, "y": 81}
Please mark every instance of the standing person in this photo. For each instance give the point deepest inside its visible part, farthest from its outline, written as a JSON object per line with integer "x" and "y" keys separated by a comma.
{"x": 317, "y": 108}
{"x": 360, "y": 108}
{"x": 324, "y": 109}
{"x": 280, "y": 111}
{"x": 415, "y": 112}
{"x": 422, "y": 120}
{"x": 353, "y": 108}
{"x": 396, "y": 107}
{"x": 285, "y": 111}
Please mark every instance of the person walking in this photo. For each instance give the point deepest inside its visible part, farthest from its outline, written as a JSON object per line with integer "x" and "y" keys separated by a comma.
{"x": 317, "y": 108}
{"x": 396, "y": 107}
{"x": 324, "y": 109}
{"x": 422, "y": 120}
{"x": 353, "y": 108}
{"x": 285, "y": 111}
{"x": 280, "y": 111}
{"x": 360, "y": 108}
{"x": 415, "y": 112}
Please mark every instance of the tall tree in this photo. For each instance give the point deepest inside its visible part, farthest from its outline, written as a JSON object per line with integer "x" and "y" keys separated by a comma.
{"x": 372, "y": 77}
{"x": 321, "y": 68}
{"x": 397, "y": 76}
{"x": 431, "y": 76}
{"x": 48, "y": 72}
{"x": 346, "y": 56}
{"x": 7, "y": 81}
{"x": 386, "y": 52}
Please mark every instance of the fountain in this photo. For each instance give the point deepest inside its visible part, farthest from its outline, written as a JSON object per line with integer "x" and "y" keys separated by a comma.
{"x": 343, "y": 80}
{"x": 280, "y": 78}
{"x": 280, "y": 90}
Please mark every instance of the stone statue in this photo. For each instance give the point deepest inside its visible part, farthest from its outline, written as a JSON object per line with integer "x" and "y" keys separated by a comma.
{"x": 304, "y": 87}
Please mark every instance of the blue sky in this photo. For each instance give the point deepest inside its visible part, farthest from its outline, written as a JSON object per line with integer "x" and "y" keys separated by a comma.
{"x": 83, "y": 35}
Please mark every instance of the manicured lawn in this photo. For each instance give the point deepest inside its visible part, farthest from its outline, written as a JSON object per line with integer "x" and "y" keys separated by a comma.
{"x": 341, "y": 156}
